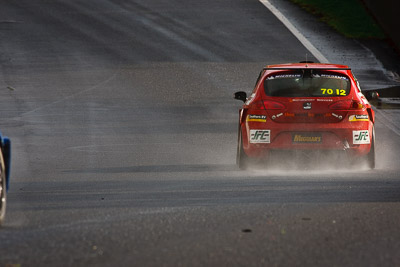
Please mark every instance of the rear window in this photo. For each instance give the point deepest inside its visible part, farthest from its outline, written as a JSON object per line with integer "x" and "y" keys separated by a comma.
{"x": 303, "y": 84}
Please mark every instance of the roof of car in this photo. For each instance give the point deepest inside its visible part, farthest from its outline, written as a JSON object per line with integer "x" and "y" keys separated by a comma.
{"x": 307, "y": 66}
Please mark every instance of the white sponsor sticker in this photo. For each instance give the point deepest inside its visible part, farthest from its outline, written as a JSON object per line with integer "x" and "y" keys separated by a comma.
{"x": 332, "y": 76}
{"x": 259, "y": 118}
{"x": 284, "y": 76}
{"x": 358, "y": 118}
{"x": 260, "y": 136}
{"x": 361, "y": 137}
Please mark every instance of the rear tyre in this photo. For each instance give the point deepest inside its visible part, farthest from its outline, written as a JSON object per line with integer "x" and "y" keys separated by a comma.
{"x": 371, "y": 155}
{"x": 3, "y": 189}
{"x": 241, "y": 157}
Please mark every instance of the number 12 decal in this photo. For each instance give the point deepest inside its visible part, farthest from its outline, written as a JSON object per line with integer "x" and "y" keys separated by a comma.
{"x": 331, "y": 91}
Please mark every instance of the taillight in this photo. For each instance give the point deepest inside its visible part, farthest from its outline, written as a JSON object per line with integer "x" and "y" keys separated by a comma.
{"x": 346, "y": 105}
{"x": 273, "y": 105}
{"x": 257, "y": 105}
{"x": 357, "y": 105}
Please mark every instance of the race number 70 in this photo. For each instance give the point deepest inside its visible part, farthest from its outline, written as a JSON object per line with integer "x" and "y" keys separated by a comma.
{"x": 332, "y": 91}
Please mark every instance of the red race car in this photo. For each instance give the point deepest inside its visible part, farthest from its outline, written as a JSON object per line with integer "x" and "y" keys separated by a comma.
{"x": 306, "y": 107}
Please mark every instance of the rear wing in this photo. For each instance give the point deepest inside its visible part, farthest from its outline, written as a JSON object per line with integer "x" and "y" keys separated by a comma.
{"x": 288, "y": 68}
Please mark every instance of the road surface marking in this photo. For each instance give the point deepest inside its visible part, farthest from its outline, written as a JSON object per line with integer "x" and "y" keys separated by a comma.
{"x": 310, "y": 47}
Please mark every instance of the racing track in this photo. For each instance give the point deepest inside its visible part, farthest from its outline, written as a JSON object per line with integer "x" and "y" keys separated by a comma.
{"x": 124, "y": 140}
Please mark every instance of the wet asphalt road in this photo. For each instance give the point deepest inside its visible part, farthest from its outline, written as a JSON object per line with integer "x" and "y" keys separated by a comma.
{"x": 124, "y": 139}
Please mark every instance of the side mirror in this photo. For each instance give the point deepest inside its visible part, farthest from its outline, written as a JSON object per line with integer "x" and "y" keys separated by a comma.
{"x": 372, "y": 95}
{"x": 240, "y": 96}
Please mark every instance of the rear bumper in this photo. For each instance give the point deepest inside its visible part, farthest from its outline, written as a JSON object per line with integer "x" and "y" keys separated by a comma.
{"x": 307, "y": 136}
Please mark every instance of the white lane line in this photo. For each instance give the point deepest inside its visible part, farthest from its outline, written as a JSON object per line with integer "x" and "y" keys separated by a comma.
{"x": 180, "y": 40}
{"x": 69, "y": 97}
{"x": 310, "y": 47}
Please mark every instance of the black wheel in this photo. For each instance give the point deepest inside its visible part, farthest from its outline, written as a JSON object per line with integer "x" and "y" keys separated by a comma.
{"x": 3, "y": 190}
{"x": 371, "y": 155}
{"x": 241, "y": 157}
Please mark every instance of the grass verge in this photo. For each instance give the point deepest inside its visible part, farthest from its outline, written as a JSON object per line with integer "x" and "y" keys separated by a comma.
{"x": 348, "y": 17}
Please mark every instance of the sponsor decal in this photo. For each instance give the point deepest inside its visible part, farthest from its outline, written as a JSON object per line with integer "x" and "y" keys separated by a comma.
{"x": 260, "y": 136}
{"x": 361, "y": 137}
{"x": 359, "y": 117}
{"x": 301, "y": 100}
{"x": 284, "y": 76}
{"x": 337, "y": 116}
{"x": 307, "y": 105}
{"x": 333, "y": 76}
{"x": 258, "y": 118}
{"x": 307, "y": 138}
{"x": 277, "y": 116}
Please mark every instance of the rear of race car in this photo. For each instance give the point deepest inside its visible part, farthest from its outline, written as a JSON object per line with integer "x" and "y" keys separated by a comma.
{"x": 309, "y": 107}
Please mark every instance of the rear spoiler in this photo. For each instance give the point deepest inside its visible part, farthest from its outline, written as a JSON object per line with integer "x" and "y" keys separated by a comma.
{"x": 306, "y": 68}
